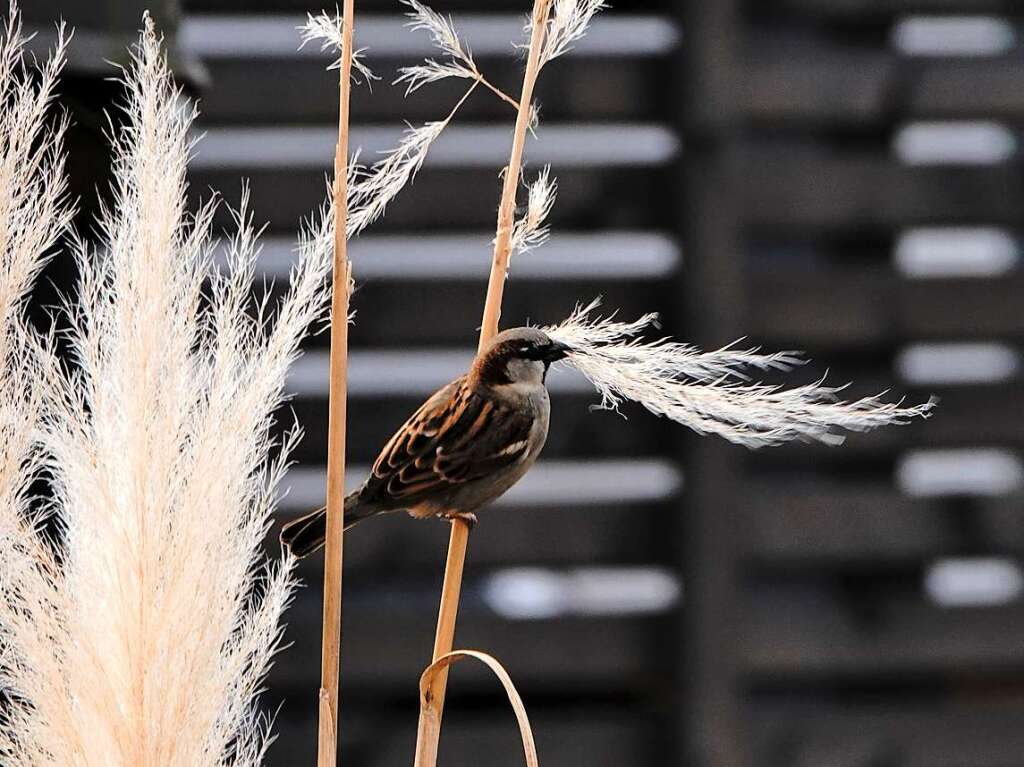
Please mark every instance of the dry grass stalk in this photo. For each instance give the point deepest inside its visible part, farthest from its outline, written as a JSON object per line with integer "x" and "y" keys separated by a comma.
{"x": 428, "y": 731}
{"x": 330, "y": 667}
{"x": 148, "y": 643}
{"x": 710, "y": 392}
{"x": 540, "y": 26}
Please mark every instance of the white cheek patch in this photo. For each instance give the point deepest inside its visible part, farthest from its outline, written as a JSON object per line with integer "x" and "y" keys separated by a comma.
{"x": 525, "y": 371}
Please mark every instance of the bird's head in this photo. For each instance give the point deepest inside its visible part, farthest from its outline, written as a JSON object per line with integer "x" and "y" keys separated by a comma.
{"x": 519, "y": 355}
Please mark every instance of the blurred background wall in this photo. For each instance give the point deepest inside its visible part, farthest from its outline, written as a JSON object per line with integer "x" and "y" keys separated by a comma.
{"x": 839, "y": 176}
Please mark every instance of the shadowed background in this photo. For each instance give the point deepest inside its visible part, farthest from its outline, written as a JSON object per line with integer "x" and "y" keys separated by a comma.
{"x": 838, "y": 176}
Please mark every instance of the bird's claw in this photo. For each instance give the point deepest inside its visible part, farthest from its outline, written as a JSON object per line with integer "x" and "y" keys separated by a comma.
{"x": 468, "y": 517}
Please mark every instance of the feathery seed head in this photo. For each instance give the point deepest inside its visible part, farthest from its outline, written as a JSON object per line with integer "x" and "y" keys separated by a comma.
{"x": 531, "y": 231}
{"x": 444, "y": 36}
{"x": 710, "y": 392}
{"x": 148, "y": 642}
{"x": 567, "y": 22}
{"x": 327, "y": 30}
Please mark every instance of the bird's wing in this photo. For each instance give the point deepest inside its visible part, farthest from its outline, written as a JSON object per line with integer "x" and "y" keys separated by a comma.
{"x": 455, "y": 437}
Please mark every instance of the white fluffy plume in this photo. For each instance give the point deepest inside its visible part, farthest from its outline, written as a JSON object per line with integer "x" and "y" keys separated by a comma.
{"x": 567, "y": 22}
{"x": 531, "y": 231}
{"x": 149, "y": 641}
{"x": 32, "y": 185}
{"x": 442, "y": 31}
{"x": 459, "y": 58}
{"x": 326, "y": 29}
{"x": 371, "y": 190}
{"x": 709, "y": 391}
{"x": 33, "y": 215}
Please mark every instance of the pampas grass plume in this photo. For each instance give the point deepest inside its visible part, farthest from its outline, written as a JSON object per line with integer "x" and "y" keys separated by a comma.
{"x": 146, "y": 639}
{"x": 33, "y": 214}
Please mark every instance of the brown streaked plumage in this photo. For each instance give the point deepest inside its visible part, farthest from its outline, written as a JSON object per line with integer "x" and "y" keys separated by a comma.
{"x": 465, "y": 446}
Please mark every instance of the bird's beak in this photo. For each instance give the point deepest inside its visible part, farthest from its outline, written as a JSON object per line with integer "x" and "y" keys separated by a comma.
{"x": 557, "y": 351}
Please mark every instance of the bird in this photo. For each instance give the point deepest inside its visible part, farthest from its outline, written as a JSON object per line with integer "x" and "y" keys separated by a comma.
{"x": 464, "y": 447}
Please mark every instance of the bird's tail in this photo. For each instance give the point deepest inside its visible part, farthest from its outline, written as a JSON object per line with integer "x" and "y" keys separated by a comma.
{"x": 306, "y": 535}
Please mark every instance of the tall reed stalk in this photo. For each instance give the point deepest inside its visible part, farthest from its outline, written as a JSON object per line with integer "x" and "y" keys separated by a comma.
{"x": 429, "y": 728}
{"x": 330, "y": 667}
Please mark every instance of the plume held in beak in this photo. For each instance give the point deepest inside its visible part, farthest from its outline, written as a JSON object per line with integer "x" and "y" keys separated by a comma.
{"x": 557, "y": 351}
{"x": 711, "y": 391}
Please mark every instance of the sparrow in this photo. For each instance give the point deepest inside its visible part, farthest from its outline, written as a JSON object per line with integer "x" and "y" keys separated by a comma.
{"x": 465, "y": 446}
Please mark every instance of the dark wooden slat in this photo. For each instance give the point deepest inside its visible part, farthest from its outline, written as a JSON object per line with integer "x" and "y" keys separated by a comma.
{"x": 444, "y": 198}
{"x": 805, "y": 189}
{"x": 809, "y": 83}
{"x": 829, "y": 525}
{"x": 824, "y": 309}
{"x": 819, "y": 526}
{"x": 406, "y": 303}
{"x": 838, "y": 309}
{"x": 386, "y": 644}
{"x": 857, "y": 11}
{"x": 999, "y": 524}
{"x": 372, "y": 737}
{"x": 813, "y": 632}
{"x": 863, "y": 527}
{"x": 964, "y": 308}
{"x": 604, "y": 534}
{"x": 876, "y": 307}
{"x": 299, "y": 6}
{"x": 707, "y": 719}
{"x": 912, "y": 734}
{"x": 592, "y": 89}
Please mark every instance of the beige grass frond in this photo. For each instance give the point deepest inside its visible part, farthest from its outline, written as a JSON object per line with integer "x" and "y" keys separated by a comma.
{"x": 371, "y": 193}
{"x": 34, "y": 212}
{"x": 567, "y": 22}
{"x": 33, "y": 189}
{"x": 446, "y": 38}
{"x": 316, "y": 240}
{"x": 431, "y": 71}
{"x": 532, "y": 231}
{"x": 326, "y": 29}
{"x": 149, "y": 643}
{"x": 533, "y": 123}
{"x": 709, "y": 391}
{"x": 372, "y": 190}
{"x": 441, "y": 28}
